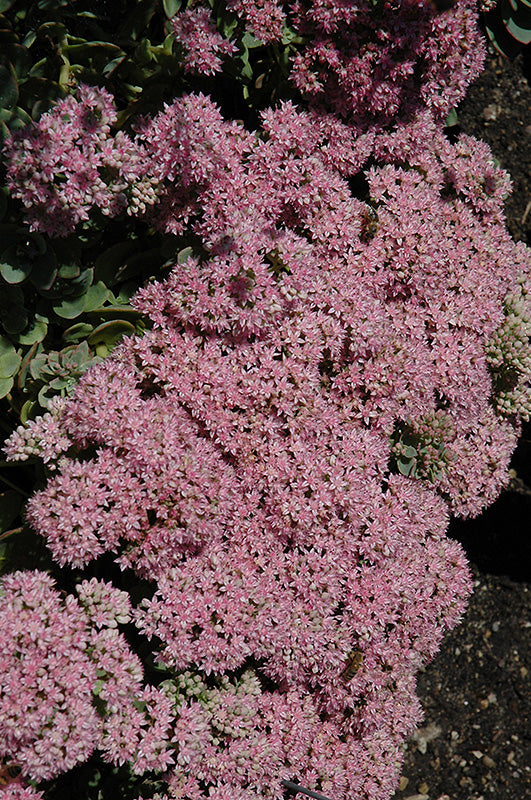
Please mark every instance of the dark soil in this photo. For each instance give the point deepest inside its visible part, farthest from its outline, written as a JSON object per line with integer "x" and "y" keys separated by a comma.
{"x": 475, "y": 741}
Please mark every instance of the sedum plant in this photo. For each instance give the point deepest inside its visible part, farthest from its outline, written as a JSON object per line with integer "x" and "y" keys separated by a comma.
{"x": 337, "y": 362}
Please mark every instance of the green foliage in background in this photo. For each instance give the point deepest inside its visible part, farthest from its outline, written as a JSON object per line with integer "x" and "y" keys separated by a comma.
{"x": 64, "y": 302}
{"x": 509, "y": 26}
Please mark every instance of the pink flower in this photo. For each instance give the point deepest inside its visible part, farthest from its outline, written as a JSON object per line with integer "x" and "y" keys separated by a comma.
{"x": 196, "y": 32}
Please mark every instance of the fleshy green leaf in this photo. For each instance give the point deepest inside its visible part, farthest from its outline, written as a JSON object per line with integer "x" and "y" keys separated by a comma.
{"x": 171, "y": 7}
{"x": 71, "y": 308}
{"x": 9, "y": 358}
{"x": 406, "y": 468}
{"x": 96, "y": 296}
{"x": 26, "y": 364}
{"x": 451, "y": 119}
{"x": 122, "y": 312}
{"x": 83, "y": 281}
{"x": 138, "y": 20}
{"x": 86, "y": 50}
{"x": 109, "y": 333}
{"x": 249, "y": 41}
{"x": 69, "y": 271}
{"x": 77, "y": 332}
{"x": 112, "y": 261}
{"x": 6, "y": 384}
{"x": 517, "y": 31}
{"x": 44, "y": 272}
{"x": 35, "y": 333}
{"x": 184, "y": 255}
{"x": 8, "y": 87}
{"x": 13, "y": 268}
{"x": 26, "y": 410}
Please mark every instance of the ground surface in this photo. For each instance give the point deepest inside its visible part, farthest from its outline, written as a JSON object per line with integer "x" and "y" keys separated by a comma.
{"x": 475, "y": 741}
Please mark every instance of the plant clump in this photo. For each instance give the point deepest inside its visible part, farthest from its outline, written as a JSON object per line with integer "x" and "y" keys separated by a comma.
{"x": 324, "y": 379}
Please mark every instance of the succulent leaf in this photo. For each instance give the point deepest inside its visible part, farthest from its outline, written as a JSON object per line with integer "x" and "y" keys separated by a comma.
{"x": 9, "y": 358}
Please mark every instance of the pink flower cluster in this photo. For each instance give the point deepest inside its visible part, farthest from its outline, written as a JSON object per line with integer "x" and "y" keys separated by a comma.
{"x": 240, "y": 453}
{"x": 354, "y": 303}
{"x": 370, "y": 66}
{"x": 203, "y": 46}
{"x": 374, "y": 66}
{"x": 370, "y": 63}
{"x": 68, "y": 164}
{"x": 58, "y": 655}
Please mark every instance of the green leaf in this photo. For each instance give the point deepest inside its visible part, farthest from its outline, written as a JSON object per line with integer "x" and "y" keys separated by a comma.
{"x": 83, "y": 281}
{"x": 25, "y": 367}
{"x": 110, "y": 333}
{"x": 406, "y": 468}
{"x": 69, "y": 271}
{"x": 249, "y": 41}
{"x": 87, "y": 50}
{"x": 18, "y": 119}
{"x": 451, "y": 119}
{"x": 52, "y": 30}
{"x": 96, "y": 296}
{"x": 184, "y": 255}
{"x": 138, "y": 20}
{"x": 517, "y": 27}
{"x": 113, "y": 65}
{"x": 70, "y": 309}
{"x": 10, "y": 506}
{"x": 9, "y": 358}
{"x": 246, "y": 70}
{"x": 123, "y": 312}
{"x": 501, "y": 39}
{"x": 29, "y": 38}
{"x": 171, "y": 7}
{"x": 113, "y": 260}
{"x": 36, "y": 332}
{"x": 77, "y": 332}
{"x": 14, "y": 268}
{"x": 26, "y": 410}
{"x": 8, "y": 87}
{"x": 6, "y": 384}
{"x": 44, "y": 272}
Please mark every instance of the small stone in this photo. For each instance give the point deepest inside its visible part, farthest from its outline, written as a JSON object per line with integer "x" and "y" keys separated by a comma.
{"x": 417, "y": 797}
{"x": 483, "y": 704}
{"x": 496, "y": 626}
{"x": 489, "y": 762}
{"x": 492, "y": 698}
{"x": 402, "y": 783}
{"x": 477, "y": 753}
{"x": 423, "y": 788}
{"x": 510, "y": 758}
{"x": 490, "y": 113}
{"x": 524, "y": 672}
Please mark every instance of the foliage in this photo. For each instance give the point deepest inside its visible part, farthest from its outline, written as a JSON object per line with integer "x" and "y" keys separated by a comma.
{"x": 508, "y": 25}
